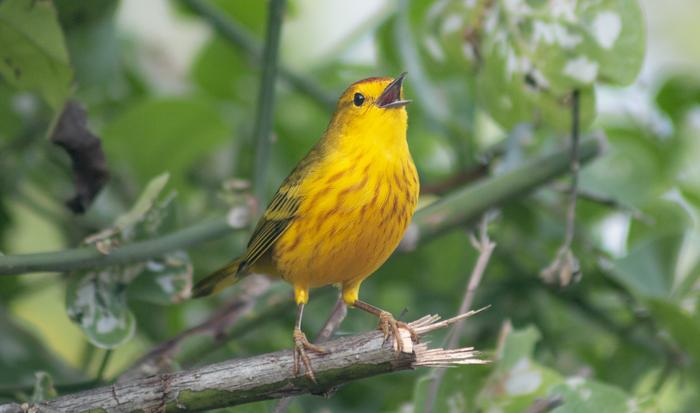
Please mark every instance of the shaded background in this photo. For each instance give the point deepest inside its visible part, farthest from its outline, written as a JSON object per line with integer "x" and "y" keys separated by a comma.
{"x": 165, "y": 93}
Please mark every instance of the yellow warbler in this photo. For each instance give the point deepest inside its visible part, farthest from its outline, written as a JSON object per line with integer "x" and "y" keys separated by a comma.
{"x": 341, "y": 212}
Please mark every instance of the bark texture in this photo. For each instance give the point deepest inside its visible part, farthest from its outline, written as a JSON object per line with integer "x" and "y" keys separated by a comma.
{"x": 268, "y": 376}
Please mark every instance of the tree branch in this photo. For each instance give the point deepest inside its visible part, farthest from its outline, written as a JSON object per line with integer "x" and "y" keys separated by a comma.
{"x": 485, "y": 247}
{"x": 90, "y": 257}
{"x": 340, "y": 311}
{"x": 263, "y": 377}
{"x": 466, "y": 205}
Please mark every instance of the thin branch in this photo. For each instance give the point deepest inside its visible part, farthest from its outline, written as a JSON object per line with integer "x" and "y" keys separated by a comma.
{"x": 103, "y": 365}
{"x": 485, "y": 247}
{"x": 90, "y": 257}
{"x": 265, "y": 309}
{"x": 161, "y": 357}
{"x": 606, "y": 201}
{"x": 165, "y": 356}
{"x": 263, "y": 377}
{"x": 471, "y": 174}
{"x": 459, "y": 208}
{"x": 340, "y": 311}
{"x": 262, "y": 129}
{"x": 565, "y": 267}
{"x": 255, "y": 302}
{"x": 575, "y": 166}
{"x": 237, "y": 35}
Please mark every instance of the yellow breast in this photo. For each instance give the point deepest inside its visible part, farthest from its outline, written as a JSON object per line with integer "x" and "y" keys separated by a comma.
{"x": 354, "y": 212}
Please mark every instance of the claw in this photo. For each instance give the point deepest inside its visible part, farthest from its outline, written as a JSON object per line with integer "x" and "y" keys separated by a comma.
{"x": 389, "y": 326}
{"x": 411, "y": 331}
{"x": 301, "y": 344}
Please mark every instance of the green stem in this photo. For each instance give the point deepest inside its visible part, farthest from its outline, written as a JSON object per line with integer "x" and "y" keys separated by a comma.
{"x": 103, "y": 365}
{"x": 266, "y": 97}
{"x": 241, "y": 38}
{"x": 90, "y": 257}
{"x": 465, "y": 205}
{"x": 575, "y": 141}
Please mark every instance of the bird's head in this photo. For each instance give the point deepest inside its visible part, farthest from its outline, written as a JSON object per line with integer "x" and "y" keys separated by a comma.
{"x": 373, "y": 107}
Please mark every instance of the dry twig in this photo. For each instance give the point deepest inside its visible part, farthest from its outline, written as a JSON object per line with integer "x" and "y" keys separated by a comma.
{"x": 160, "y": 358}
{"x": 485, "y": 247}
{"x": 565, "y": 266}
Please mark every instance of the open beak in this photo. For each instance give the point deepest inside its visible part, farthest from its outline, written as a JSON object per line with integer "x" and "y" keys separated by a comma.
{"x": 391, "y": 96}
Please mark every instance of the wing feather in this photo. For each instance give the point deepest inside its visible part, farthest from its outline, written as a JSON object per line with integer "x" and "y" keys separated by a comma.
{"x": 281, "y": 212}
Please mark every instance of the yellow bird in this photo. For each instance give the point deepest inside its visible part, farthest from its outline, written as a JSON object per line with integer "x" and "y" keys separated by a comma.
{"x": 341, "y": 212}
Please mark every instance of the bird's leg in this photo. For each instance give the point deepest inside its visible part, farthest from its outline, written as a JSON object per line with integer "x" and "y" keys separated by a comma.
{"x": 388, "y": 324}
{"x": 301, "y": 344}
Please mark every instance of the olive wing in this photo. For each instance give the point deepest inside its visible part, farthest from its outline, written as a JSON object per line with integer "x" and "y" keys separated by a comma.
{"x": 281, "y": 212}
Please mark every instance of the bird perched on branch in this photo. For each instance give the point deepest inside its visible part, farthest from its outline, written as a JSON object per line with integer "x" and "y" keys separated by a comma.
{"x": 341, "y": 212}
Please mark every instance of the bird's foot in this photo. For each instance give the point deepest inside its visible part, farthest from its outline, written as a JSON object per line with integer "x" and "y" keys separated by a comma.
{"x": 390, "y": 327}
{"x": 301, "y": 345}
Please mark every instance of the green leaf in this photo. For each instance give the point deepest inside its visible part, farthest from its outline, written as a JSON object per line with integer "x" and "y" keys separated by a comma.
{"x": 143, "y": 219}
{"x": 678, "y": 94}
{"x": 225, "y": 72}
{"x": 164, "y": 280}
{"x": 510, "y": 100}
{"x": 32, "y": 50}
{"x": 457, "y": 391}
{"x": 250, "y": 16}
{"x": 588, "y": 396}
{"x": 664, "y": 217}
{"x": 143, "y": 205}
{"x": 649, "y": 268}
{"x": 95, "y": 300}
{"x": 689, "y": 280}
{"x": 638, "y": 166}
{"x": 617, "y": 28}
{"x": 165, "y": 135}
{"x": 519, "y": 344}
{"x": 518, "y": 381}
{"x": 683, "y": 327}
{"x": 530, "y": 55}
{"x": 10, "y": 118}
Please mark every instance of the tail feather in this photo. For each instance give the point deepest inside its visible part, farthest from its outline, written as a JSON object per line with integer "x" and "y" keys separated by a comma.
{"x": 218, "y": 280}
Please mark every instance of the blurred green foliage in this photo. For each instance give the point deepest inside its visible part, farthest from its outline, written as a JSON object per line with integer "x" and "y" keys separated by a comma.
{"x": 486, "y": 77}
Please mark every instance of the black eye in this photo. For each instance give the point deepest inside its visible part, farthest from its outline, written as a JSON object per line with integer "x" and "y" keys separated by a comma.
{"x": 359, "y": 99}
